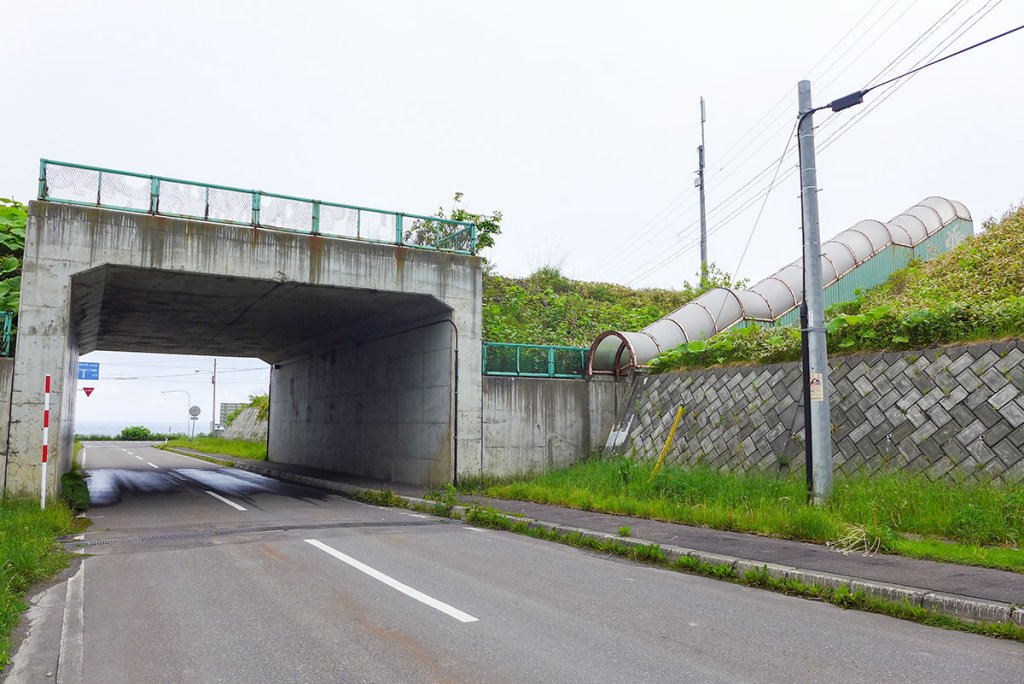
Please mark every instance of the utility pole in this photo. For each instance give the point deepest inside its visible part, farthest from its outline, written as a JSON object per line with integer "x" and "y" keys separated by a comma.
{"x": 819, "y": 431}
{"x": 703, "y": 218}
{"x": 213, "y": 410}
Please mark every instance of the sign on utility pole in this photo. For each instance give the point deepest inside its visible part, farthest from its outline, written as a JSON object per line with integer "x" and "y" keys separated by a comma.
{"x": 820, "y": 428}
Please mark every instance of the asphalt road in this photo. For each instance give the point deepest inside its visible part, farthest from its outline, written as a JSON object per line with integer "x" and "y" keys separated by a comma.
{"x": 207, "y": 574}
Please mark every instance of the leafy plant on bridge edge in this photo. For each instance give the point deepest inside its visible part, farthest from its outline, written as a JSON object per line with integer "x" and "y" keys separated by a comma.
{"x": 426, "y": 232}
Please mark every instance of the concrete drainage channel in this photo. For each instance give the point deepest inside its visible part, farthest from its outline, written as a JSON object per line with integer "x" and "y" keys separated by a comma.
{"x": 950, "y": 605}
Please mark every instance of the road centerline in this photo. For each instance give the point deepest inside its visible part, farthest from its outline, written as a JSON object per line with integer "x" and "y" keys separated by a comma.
{"x": 229, "y": 502}
{"x": 448, "y": 610}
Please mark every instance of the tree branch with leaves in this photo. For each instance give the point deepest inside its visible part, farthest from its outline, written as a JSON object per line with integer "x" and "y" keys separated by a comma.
{"x": 444, "y": 235}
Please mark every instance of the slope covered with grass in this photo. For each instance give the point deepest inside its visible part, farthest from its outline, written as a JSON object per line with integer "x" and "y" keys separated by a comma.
{"x": 548, "y": 308}
{"x": 974, "y": 292}
{"x": 986, "y": 268}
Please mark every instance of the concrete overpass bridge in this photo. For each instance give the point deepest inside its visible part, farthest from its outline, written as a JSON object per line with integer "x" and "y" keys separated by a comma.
{"x": 375, "y": 342}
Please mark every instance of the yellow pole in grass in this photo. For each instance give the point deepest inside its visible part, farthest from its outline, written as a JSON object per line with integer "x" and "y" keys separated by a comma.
{"x": 668, "y": 443}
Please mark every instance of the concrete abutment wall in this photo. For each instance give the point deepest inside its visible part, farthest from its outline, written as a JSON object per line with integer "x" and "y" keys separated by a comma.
{"x": 6, "y": 382}
{"x": 101, "y": 279}
{"x": 532, "y": 424}
{"x": 383, "y": 409}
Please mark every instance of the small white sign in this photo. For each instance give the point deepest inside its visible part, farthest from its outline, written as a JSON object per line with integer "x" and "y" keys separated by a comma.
{"x": 817, "y": 387}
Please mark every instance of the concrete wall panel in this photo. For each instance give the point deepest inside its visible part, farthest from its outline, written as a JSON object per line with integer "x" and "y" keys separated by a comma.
{"x": 6, "y": 382}
{"x": 100, "y": 279}
{"x": 531, "y": 424}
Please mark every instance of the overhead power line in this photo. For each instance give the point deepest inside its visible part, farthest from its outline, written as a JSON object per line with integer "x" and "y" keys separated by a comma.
{"x": 950, "y": 39}
{"x": 663, "y": 218}
{"x": 857, "y": 97}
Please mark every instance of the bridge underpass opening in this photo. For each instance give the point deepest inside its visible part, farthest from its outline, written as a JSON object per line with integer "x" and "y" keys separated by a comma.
{"x": 374, "y": 348}
{"x": 157, "y": 391}
{"x": 362, "y": 382}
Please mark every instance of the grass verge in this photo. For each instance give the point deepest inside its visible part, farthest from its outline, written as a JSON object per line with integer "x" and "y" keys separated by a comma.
{"x": 960, "y": 521}
{"x": 28, "y": 553}
{"x": 241, "y": 448}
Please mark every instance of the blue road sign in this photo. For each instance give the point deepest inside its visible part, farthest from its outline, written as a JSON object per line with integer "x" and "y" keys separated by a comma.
{"x": 88, "y": 371}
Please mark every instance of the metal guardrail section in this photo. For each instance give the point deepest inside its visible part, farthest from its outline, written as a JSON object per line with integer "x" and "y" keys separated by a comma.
{"x": 534, "y": 361}
{"x": 66, "y": 183}
{"x": 6, "y": 320}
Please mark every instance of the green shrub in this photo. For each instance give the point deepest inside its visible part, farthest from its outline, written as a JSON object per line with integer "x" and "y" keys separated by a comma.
{"x": 136, "y": 433}
{"x": 549, "y": 308}
{"x": 976, "y": 525}
{"x": 74, "y": 489}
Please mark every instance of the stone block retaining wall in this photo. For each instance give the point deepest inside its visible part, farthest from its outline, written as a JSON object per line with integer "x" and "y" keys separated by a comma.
{"x": 947, "y": 410}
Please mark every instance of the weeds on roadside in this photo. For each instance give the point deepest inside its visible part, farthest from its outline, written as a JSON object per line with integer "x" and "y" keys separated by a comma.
{"x": 28, "y": 553}
{"x": 378, "y": 497}
{"x": 73, "y": 488}
{"x": 959, "y": 521}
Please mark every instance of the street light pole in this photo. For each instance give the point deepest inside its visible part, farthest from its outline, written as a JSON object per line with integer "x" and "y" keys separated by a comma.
{"x": 820, "y": 429}
{"x": 188, "y": 398}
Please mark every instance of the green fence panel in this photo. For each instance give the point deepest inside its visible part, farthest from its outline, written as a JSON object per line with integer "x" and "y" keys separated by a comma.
{"x": 534, "y": 361}
{"x": 6, "y": 321}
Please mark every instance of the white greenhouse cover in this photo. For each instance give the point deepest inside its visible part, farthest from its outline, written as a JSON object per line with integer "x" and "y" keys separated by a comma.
{"x": 614, "y": 352}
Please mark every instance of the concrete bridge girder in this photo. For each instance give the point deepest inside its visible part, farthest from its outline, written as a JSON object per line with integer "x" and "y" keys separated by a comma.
{"x": 364, "y": 338}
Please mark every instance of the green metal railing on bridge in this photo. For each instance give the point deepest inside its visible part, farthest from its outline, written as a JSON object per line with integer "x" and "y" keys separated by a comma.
{"x": 6, "y": 321}
{"x": 534, "y": 361}
{"x": 92, "y": 186}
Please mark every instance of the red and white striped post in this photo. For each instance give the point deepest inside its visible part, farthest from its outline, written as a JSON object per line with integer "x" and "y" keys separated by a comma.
{"x": 46, "y": 442}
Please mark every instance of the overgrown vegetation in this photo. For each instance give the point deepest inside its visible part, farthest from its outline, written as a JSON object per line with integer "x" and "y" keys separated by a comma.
{"x": 434, "y": 233}
{"x": 546, "y": 307}
{"x": 73, "y": 488}
{"x": 948, "y": 520}
{"x": 13, "y": 218}
{"x": 242, "y": 448}
{"x": 28, "y": 553}
{"x": 131, "y": 433}
{"x": 261, "y": 402}
{"x": 974, "y": 292}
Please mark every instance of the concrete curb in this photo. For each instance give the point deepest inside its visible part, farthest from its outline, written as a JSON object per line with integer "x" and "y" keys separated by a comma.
{"x": 953, "y": 605}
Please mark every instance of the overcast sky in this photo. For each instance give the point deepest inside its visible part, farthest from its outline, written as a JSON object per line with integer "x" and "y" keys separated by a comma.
{"x": 578, "y": 120}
